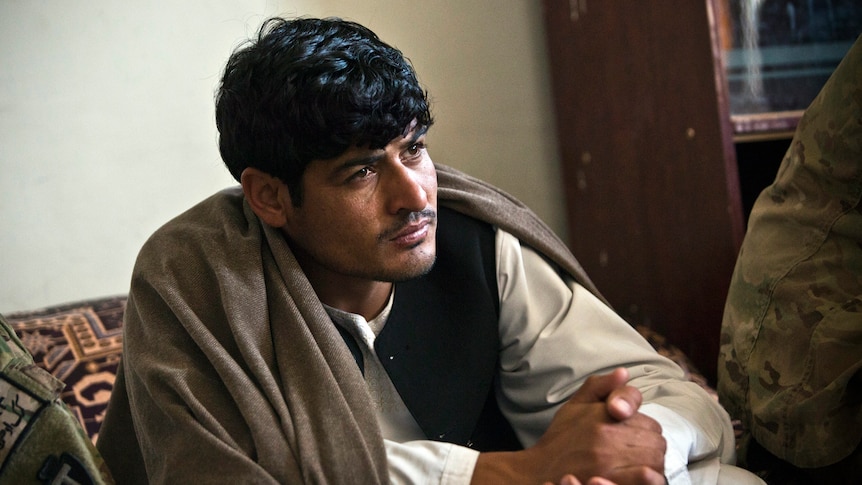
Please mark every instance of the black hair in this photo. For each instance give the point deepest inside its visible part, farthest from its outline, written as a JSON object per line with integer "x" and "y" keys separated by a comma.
{"x": 309, "y": 89}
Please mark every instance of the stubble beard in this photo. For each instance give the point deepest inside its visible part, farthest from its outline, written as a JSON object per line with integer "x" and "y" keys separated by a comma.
{"x": 420, "y": 263}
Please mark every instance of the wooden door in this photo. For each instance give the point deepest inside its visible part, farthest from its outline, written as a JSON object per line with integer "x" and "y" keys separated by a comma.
{"x": 646, "y": 144}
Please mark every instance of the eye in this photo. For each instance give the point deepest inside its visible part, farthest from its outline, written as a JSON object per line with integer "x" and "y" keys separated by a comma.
{"x": 362, "y": 174}
{"x": 415, "y": 150}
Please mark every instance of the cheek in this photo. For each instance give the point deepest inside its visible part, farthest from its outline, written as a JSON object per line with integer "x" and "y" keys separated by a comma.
{"x": 429, "y": 182}
{"x": 345, "y": 225}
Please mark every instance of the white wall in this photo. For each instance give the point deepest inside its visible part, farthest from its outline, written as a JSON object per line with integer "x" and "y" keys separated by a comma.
{"x": 106, "y": 118}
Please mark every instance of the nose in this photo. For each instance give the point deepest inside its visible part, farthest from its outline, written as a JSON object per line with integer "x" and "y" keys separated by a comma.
{"x": 405, "y": 190}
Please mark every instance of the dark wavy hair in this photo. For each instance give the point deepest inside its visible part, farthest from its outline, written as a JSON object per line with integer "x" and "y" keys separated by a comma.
{"x": 309, "y": 89}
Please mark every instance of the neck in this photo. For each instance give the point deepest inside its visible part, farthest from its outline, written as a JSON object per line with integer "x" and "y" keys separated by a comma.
{"x": 367, "y": 299}
{"x": 352, "y": 294}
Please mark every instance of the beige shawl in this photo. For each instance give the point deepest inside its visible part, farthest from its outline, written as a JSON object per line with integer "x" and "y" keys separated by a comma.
{"x": 233, "y": 370}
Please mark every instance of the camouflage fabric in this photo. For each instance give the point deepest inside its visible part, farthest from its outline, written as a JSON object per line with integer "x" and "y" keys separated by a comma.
{"x": 791, "y": 339}
{"x": 40, "y": 439}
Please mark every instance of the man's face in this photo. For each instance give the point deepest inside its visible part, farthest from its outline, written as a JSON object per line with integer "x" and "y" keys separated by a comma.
{"x": 368, "y": 214}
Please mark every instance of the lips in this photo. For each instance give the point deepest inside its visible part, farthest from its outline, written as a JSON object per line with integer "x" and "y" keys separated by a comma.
{"x": 413, "y": 233}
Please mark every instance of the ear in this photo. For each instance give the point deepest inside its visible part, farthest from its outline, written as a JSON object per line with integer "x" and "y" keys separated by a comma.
{"x": 268, "y": 196}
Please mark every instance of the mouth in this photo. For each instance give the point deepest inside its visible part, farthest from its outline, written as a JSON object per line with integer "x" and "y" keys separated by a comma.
{"x": 412, "y": 234}
{"x": 412, "y": 231}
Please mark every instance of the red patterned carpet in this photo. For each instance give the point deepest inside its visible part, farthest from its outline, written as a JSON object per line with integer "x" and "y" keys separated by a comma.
{"x": 80, "y": 344}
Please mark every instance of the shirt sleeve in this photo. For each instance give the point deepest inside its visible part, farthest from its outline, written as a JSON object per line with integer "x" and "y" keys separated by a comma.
{"x": 554, "y": 334}
{"x": 431, "y": 462}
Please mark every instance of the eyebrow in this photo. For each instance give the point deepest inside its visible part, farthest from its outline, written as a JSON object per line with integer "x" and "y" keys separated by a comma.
{"x": 359, "y": 161}
{"x": 371, "y": 159}
{"x": 417, "y": 134}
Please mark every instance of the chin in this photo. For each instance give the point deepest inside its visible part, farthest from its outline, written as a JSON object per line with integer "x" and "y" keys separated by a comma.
{"x": 413, "y": 269}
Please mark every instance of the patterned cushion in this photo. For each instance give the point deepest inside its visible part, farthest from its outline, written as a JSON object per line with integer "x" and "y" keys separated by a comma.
{"x": 674, "y": 353}
{"x": 80, "y": 344}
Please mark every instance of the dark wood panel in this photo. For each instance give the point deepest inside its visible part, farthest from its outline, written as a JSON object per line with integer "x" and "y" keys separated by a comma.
{"x": 648, "y": 162}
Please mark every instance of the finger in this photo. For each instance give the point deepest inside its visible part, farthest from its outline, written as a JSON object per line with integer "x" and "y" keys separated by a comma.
{"x": 636, "y": 474}
{"x": 640, "y": 420}
{"x": 624, "y": 402}
{"x": 599, "y": 481}
{"x": 597, "y": 388}
{"x": 569, "y": 480}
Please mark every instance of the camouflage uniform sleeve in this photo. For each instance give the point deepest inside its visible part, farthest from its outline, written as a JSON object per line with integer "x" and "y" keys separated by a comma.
{"x": 40, "y": 439}
{"x": 791, "y": 339}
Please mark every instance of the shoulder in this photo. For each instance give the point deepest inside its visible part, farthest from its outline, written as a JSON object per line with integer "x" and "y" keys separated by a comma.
{"x": 209, "y": 230}
{"x": 204, "y": 219}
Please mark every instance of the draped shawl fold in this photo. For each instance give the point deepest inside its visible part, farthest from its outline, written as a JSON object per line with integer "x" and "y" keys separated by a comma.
{"x": 233, "y": 369}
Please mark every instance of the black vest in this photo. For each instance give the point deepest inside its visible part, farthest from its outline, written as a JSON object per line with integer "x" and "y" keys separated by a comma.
{"x": 440, "y": 345}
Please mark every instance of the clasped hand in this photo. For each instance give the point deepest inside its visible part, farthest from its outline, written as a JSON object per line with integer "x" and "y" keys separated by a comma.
{"x": 600, "y": 433}
{"x": 598, "y": 436}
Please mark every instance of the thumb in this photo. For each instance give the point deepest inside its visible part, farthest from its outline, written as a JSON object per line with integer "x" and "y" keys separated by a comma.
{"x": 597, "y": 388}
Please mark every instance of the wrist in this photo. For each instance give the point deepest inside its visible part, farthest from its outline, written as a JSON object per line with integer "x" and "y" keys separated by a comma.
{"x": 502, "y": 467}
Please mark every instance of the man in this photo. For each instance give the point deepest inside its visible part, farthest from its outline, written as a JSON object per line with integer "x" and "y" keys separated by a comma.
{"x": 356, "y": 314}
{"x": 790, "y": 364}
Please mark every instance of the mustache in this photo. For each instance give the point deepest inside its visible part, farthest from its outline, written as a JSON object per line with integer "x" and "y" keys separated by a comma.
{"x": 408, "y": 219}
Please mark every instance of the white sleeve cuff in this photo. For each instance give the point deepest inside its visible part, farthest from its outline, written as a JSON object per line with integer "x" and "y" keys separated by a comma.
{"x": 459, "y": 466}
{"x": 431, "y": 462}
{"x": 678, "y": 434}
